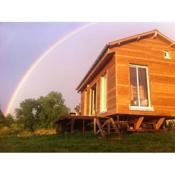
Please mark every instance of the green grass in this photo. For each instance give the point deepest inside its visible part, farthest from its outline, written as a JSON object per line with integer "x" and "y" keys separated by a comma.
{"x": 137, "y": 142}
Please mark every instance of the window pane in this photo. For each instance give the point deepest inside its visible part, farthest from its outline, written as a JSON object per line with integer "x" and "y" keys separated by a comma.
{"x": 143, "y": 90}
{"x": 103, "y": 93}
{"x": 134, "y": 91}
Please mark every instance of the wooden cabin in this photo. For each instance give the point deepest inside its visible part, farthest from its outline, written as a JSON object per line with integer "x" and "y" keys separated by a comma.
{"x": 132, "y": 82}
{"x": 134, "y": 76}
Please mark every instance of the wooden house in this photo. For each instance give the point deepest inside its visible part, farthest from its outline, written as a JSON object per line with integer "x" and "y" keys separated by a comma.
{"x": 132, "y": 78}
{"x": 132, "y": 82}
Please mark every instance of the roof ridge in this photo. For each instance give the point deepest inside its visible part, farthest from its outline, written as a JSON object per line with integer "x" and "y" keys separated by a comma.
{"x": 138, "y": 36}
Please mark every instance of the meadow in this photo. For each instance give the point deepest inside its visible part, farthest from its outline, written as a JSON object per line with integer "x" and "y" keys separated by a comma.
{"x": 135, "y": 142}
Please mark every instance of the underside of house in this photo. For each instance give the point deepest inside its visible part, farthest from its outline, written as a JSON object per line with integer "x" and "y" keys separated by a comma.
{"x": 133, "y": 82}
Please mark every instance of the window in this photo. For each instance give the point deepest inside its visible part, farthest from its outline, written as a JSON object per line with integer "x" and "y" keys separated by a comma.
{"x": 103, "y": 93}
{"x": 139, "y": 86}
{"x": 92, "y": 100}
{"x": 167, "y": 54}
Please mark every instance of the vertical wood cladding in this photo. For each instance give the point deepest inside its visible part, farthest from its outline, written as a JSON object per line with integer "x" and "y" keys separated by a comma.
{"x": 82, "y": 103}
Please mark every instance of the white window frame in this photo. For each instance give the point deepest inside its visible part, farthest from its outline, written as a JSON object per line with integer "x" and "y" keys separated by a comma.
{"x": 91, "y": 100}
{"x": 167, "y": 55}
{"x": 90, "y": 96}
{"x": 139, "y": 107}
{"x": 103, "y": 106}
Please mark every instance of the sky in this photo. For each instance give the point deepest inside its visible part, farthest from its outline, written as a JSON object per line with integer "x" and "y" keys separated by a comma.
{"x": 36, "y": 58}
{"x": 20, "y": 45}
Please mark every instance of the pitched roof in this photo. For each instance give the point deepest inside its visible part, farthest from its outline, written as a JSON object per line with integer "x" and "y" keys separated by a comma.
{"x": 117, "y": 43}
{"x": 153, "y": 33}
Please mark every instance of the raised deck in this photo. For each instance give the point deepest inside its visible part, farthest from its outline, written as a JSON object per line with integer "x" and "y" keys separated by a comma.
{"x": 107, "y": 125}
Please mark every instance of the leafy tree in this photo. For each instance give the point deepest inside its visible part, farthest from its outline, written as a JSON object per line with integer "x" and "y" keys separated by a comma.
{"x": 51, "y": 107}
{"x": 2, "y": 118}
{"x": 27, "y": 114}
{"x": 9, "y": 120}
{"x": 41, "y": 113}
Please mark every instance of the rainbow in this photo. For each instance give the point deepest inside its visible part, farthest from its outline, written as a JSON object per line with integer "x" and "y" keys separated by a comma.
{"x": 37, "y": 62}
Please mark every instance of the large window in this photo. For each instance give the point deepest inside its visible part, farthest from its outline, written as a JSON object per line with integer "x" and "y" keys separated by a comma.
{"x": 103, "y": 93}
{"x": 139, "y": 86}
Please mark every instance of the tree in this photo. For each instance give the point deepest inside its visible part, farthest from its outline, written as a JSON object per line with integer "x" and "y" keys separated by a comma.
{"x": 42, "y": 112}
{"x": 52, "y": 107}
{"x": 27, "y": 114}
{"x": 9, "y": 120}
{"x": 2, "y": 118}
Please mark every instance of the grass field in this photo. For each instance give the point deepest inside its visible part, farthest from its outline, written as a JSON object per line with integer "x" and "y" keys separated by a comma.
{"x": 138, "y": 142}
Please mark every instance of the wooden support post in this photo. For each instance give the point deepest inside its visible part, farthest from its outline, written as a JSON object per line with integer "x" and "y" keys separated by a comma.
{"x": 118, "y": 118}
{"x": 138, "y": 123}
{"x": 114, "y": 125}
{"x": 103, "y": 125}
{"x": 95, "y": 126}
{"x": 72, "y": 125}
{"x": 99, "y": 127}
{"x": 83, "y": 127}
{"x": 61, "y": 127}
{"x": 109, "y": 127}
{"x": 159, "y": 123}
{"x": 64, "y": 126}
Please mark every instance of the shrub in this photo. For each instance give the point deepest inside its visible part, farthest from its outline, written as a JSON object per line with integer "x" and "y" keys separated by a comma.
{"x": 170, "y": 124}
{"x": 25, "y": 134}
{"x": 5, "y": 131}
{"x": 45, "y": 132}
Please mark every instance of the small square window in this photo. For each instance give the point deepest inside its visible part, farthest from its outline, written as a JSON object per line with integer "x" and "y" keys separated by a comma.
{"x": 167, "y": 54}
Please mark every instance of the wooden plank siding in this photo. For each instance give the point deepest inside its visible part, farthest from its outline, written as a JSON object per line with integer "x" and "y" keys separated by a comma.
{"x": 111, "y": 89}
{"x": 148, "y": 52}
{"x": 82, "y": 103}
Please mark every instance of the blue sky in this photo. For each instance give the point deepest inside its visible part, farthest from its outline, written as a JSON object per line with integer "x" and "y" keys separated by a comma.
{"x": 20, "y": 45}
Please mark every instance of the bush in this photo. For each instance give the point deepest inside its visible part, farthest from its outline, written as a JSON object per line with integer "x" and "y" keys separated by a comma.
{"x": 45, "y": 132}
{"x": 12, "y": 130}
{"x": 25, "y": 134}
{"x": 5, "y": 131}
{"x": 170, "y": 124}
